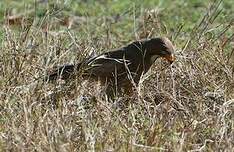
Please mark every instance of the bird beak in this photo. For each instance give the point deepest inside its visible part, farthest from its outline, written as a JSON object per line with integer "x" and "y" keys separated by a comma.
{"x": 170, "y": 58}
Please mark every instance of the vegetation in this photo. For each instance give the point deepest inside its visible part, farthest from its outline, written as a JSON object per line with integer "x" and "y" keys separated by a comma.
{"x": 186, "y": 106}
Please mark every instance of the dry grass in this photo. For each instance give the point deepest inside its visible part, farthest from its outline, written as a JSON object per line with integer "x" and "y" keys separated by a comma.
{"x": 188, "y": 106}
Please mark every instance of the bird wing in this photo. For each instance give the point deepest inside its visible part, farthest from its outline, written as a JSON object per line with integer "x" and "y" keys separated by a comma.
{"x": 106, "y": 65}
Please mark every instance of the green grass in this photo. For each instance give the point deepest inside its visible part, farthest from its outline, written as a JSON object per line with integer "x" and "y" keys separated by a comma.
{"x": 184, "y": 107}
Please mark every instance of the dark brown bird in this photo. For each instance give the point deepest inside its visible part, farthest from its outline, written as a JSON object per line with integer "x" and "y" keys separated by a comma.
{"x": 122, "y": 68}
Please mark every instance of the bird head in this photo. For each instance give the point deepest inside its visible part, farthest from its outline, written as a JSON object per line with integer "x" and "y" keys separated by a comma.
{"x": 160, "y": 47}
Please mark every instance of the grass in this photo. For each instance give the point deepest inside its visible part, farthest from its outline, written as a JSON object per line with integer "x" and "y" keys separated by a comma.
{"x": 188, "y": 106}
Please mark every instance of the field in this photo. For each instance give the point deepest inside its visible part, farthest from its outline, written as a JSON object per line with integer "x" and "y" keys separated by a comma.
{"x": 186, "y": 106}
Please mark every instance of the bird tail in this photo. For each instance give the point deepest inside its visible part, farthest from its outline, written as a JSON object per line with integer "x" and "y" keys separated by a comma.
{"x": 63, "y": 72}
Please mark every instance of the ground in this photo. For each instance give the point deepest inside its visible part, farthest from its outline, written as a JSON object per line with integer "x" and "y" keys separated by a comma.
{"x": 186, "y": 106}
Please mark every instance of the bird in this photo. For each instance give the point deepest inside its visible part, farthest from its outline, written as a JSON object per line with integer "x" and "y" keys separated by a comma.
{"x": 119, "y": 69}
